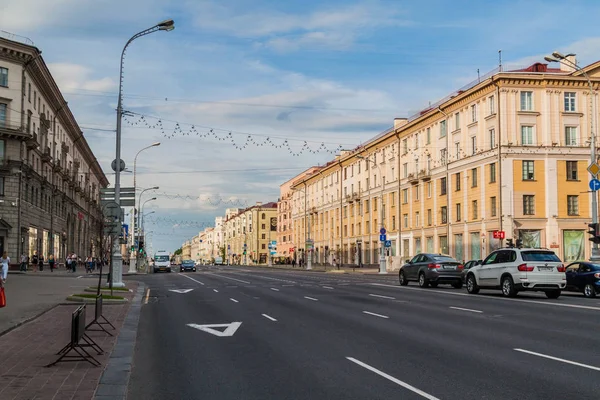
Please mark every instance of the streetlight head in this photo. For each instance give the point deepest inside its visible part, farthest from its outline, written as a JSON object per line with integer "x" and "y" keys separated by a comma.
{"x": 156, "y": 144}
{"x": 558, "y": 55}
{"x": 551, "y": 59}
{"x": 167, "y": 25}
{"x": 155, "y": 188}
{"x": 154, "y": 198}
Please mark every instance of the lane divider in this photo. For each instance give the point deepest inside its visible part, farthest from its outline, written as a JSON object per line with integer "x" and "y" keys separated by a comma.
{"x": 327, "y": 287}
{"x": 234, "y": 300}
{"x": 533, "y": 353}
{"x": 383, "y": 297}
{"x": 147, "y": 295}
{"x": 274, "y": 289}
{"x": 216, "y": 291}
{"x": 310, "y": 298}
{"x": 268, "y": 317}
{"x": 185, "y": 276}
{"x": 376, "y": 315}
{"x": 466, "y": 309}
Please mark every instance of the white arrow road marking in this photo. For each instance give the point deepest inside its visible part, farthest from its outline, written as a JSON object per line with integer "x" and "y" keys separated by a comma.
{"x": 558, "y": 359}
{"x": 180, "y": 290}
{"x": 229, "y": 328}
{"x": 267, "y": 317}
{"x": 391, "y": 378}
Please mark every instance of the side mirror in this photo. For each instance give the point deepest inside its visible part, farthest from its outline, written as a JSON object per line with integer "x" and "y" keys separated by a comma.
{"x": 408, "y": 262}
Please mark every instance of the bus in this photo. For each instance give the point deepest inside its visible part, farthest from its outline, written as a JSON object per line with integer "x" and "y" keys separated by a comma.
{"x": 162, "y": 261}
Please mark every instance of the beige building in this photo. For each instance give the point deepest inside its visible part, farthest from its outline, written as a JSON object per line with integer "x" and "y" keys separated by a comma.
{"x": 506, "y": 153}
{"x": 195, "y": 247}
{"x": 186, "y": 250}
{"x": 49, "y": 176}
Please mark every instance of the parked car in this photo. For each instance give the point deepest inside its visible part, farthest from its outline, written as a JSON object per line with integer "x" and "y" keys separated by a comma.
{"x": 584, "y": 277}
{"x": 515, "y": 269}
{"x": 431, "y": 270}
{"x": 187, "y": 265}
{"x": 468, "y": 265}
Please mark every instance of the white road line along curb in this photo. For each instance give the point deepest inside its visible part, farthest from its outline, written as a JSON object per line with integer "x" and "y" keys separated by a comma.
{"x": 558, "y": 359}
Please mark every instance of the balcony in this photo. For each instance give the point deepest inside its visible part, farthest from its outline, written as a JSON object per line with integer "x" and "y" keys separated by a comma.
{"x": 413, "y": 178}
{"x": 32, "y": 141}
{"x": 57, "y": 165}
{"x": 425, "y": 174}
{"x": 46, "y": 157}
{"x": 64, "y": 147}
{"x": 353, "y": 197}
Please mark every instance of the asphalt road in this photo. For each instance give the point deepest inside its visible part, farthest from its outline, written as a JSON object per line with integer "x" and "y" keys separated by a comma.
{"x": 314, "y": 335}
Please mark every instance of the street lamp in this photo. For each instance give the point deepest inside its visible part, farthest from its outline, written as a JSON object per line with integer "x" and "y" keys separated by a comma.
{"x": 133, "y": 255}
{"x": 142, "y": 215}
{"x": 382, "y": 266}
{"x": 307, "y": 252}
{"x": 167, "y": 25}
{"x": 133, "y": 269}
{"x": 560, "y": 58}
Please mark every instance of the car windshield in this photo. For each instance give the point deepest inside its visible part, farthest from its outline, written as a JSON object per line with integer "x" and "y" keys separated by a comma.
{"x": 539, "y": 256}
{"x": 161, "y": 258}
{"x": 443, "y": 259}
{"x": 188, "y": 263}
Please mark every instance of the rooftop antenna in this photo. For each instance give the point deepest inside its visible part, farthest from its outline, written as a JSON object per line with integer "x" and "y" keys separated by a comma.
{"x": 478, "y": 76}
{"x": 500, "y": 60}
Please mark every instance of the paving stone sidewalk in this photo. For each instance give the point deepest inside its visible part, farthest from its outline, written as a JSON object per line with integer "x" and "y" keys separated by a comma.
{"x": 26, "y": 350}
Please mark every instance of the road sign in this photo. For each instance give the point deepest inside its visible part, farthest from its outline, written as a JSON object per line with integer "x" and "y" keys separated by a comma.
{"x": 594, "y": 184}
{"x": 388, "y": 243}
{"x": 594, "y": 168}
{"x": 382, "y": 238}
{"x": 113, "y": 165}
{"x": 498, "y": 234}
{"x": 382, "y": 231}
{"x": 273, "y": 242}
{"x": 230, "y": 329}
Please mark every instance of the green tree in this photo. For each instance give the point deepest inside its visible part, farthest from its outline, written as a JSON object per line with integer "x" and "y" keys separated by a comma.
{"x": 222, "y": 252}
{"x": 178, "y": 252}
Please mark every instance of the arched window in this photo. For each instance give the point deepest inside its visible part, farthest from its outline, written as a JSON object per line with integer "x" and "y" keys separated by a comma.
{"x": 263, "y": 216}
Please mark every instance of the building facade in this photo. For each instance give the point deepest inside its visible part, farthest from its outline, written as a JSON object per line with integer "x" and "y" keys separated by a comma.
{"x": 507, "y": 153}
{"x": 49, "y": 177}
{"x": 186, "y": 250}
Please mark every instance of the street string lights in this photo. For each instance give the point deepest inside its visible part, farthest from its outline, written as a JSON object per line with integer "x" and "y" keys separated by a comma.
{"x": 230, "y": 136}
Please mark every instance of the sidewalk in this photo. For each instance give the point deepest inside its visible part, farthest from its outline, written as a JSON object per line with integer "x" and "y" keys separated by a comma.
{"x": 320, "y": 268}
{"x": 27, "y": 349}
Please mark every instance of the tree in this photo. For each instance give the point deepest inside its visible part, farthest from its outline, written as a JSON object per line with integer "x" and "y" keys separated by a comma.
{"x": 222, "y": 252}
{"x": 178, "y": 252}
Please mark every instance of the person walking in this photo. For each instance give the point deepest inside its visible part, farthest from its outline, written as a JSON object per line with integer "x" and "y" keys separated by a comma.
{"x": 34, "y": 262}
{"x": 41, "y": 262}
{"x": 51, "y": 262}
{"x": 23, "y": 266}
{"x": 5, "y": 261}
{"x": 293, "y": 263}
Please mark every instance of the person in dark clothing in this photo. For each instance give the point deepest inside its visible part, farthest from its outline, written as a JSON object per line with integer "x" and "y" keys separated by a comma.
{"x": 51, "y": 262}
{"x": 41, "y": 262}
{"x": 34, "y": 262}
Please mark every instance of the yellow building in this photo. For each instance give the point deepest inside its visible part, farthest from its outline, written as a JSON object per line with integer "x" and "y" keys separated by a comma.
{"x": 186, "y": 250}
{"x": 505, "y": 153}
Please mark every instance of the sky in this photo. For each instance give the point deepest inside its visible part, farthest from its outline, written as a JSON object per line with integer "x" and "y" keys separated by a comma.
{"x": 325, "y": 75}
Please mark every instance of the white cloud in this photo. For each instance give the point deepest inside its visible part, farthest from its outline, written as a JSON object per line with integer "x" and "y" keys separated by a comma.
{"x": 78, "y": 77}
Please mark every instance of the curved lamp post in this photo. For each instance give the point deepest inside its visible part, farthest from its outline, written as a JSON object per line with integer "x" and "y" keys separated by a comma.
{"x": 142, "y": 222}
{"x": 167, "y": 25}
{"x": 133, "y": 257}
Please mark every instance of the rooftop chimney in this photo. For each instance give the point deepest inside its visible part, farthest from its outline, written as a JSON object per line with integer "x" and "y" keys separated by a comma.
{"x": 398, "y": 122}
{"x": 566, "y": 66}
{"x": 259, "y": 203}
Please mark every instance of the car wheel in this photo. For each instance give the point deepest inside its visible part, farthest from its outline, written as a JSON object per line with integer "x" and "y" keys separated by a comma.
{"x": 472, "y": 287}
{"x": 402, "y": 279}
{"x": 553, "y": 294}
{"x": 433, "y": 284}
{"x": 589, "y": 291}
{"x": 423, "y": 281}
{"x": 154, "y": 270}
{"x": 169, "y": 270}
{"x": 508, "y": 287}
{"x": 457, "y": 285}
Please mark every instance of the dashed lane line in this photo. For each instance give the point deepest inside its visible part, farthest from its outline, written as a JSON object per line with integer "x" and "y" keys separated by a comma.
{"x": 533, "y": 353}
{"x": 195, "y": 280}
{"x": 275, "y": 289}
{"x": 383, "y": 297}
{"x": 233, "y": 279}
{"x": 234, "y": 300}
{"x": 376, "y": 315}
{"x": 311, "y": 298}
{"x": 466, "y": 309}
{"x": 268, "y": 317}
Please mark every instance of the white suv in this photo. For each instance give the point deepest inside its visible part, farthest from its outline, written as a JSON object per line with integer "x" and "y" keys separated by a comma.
{"x": 515, "y": 269}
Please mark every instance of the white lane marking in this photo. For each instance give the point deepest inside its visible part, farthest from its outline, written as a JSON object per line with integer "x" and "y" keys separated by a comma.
{"x": 546, "y": 303}
{"x": 327, "y": 287}
{"x": 276, "y": 290}
{"x": 267, "y": 317}
{"x": 185, "y": 276}
{"x": 147, "y": 295}
{"x": 267, "y": 277}
{"x": 391, "y": 378}
{"x": 288, "y": 285}
{"x": 233, "y": 279}
{"x": 383, "y": 297}
{"x": 80, "y": 276}
{"x": 466, "y": 309}
{"x": 310, "y": 298}
{"x": 558, "y": 359}
{"x": 234, "y": 300}
{"x": 376, "y": 315}
{"x": 216, "y": 291}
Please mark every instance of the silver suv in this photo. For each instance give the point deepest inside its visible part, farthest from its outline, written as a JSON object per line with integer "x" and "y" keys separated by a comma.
{"x": 516, "y": 269}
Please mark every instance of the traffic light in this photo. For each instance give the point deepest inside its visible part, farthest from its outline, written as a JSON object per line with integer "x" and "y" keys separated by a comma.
{"x": 594, "y": 232}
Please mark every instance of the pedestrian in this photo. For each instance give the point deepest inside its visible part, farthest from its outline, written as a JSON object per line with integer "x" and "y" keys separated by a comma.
{"x": 5, "y": 261}
{"x": 41, "y": 262}
{"x": 74, "y": 263}
{"x": 68, "y": 264}
{"x": 294, "y": 263}
{"x": 34, "y": 262}
{"x": 23, "y": 266}
{"x": 51, "y": 262}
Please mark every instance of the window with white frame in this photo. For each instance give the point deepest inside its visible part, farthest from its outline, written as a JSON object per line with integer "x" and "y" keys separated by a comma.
{"x": 570, "y": 101}
{"x": 527, "y": 135}
{"x": 473, "y": 145}
{"x": 526, "y": 101}
{"x": 528, "y": 204}
{"x": 492, "y": 134}
{"x": 474, "y": 113}
{"x": 417, "y": 219}
{"x": 443, "y": 130}
{"x": 528, "y": 170}
{"x": 428, "y": 135}
{"x": 456, "y": 121}
{"x": 429, "y": 189}
{"x": 405, "y": 170}
{"x": 4, "y": 77}
{"x": 404, "y": 146}
{"x": 492, "y": 102}
{"x": 573, "y": 205}
{"x": 570, "y": 136}
{"x": 457, "y": 150}
{"x": 443, "y": 154}
{"x": 405, "y": 219}
{"x": 3, "y": 114}
{"x": 404, "y": 196}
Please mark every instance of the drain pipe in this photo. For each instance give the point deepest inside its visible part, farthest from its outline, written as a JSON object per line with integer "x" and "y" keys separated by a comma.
{"x": 447, "y": 162}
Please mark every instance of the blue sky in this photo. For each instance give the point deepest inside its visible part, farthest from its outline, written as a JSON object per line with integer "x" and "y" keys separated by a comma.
{"x": 336, "y": 71}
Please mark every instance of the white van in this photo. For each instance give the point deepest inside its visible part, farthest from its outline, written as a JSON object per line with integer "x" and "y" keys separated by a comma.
{"x": 162, "y": 261}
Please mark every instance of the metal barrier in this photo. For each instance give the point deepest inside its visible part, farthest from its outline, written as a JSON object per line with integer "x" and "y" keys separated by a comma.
{"x": 99, "y": 319}
{"x": 77, "y": 335}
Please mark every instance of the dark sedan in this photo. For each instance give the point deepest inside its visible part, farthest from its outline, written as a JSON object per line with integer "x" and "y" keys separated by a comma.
{"x": 583, "y": 277}
{"x": 431, "y": 270}
{"x": 187, "y": 265}
{"x": 467, "y": 267}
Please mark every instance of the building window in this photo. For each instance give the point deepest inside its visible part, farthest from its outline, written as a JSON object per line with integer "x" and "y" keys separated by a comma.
{"x": 393, "y": 199}
{"x": 474, "y": 177}
{"x": 572, "y": 171}
{"x": 528, "y": 204}
{"x": 2, "y": 186}
{"x": 492, "y": 138}
{"x": 444, "y": 211}
{"x": 417, "y": 137}
{"x": 404, "y": 196}
{"x": 492, "y": 105}
{"x": 475, "y": 209}
{"x": 443, "y": 153}
{"x": 34, "y": 99}
{"x": 569, "y": 101}
{"x": 570, "y": 136}
{"x": 428, "y": 135}
{"x": 442, "y": 186}
{"x": 405, "y": 220}
{"x": 474, "y": 113}
{"x": 3, "y": 114}
{"x": 457, "y": 121}
{"x": 429, "y": 217}
{"x": 493, "y": 208}
{"x": 417, "y": 195}
{"x": 264, "y": 236}
{"x": 526, "y": 101}
{"x": 404, "y": 146}
{"x": 443, "y": 131}
{"x": 263, "y": 226}
{"x": 263, "y": 246}
{"x": 4, "y": 77}
{"x": 2, "y": 151}
{"x": 374, "y": 204}
{"x": 573, "y": 205}
{"x": 417, "y": 219}
{"x": 428, "y": 190}
{"x": 493, "y": 173}
{"x": 457, "y": 150}
{"x": 29, "y": 92}
{"x": 457, "y": 181}
{"x": 528, "y": 174}
{"x": 526, "y": 135}
{"x": 458, "y": 212}
{"x": 405, "y": 170}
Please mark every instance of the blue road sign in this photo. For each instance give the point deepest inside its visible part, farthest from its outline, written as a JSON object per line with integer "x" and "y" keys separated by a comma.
{"x": 388, "y": 243}
{"x": 382, "y": 231}
{"x": 382, "y": 238}
{"x": 594, "y": 184}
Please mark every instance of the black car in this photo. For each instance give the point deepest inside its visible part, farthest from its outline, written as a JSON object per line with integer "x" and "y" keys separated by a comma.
{"x": 187, "y": 265}
{"x": 467, "y": 267}
{"x": 583, "y": 277}
{"x": 431, "y": 270}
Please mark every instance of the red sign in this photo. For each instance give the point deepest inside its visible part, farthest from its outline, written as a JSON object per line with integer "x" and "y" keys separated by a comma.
{"x": 79, "y": 215}
{"x": 498, "y": 234}
{"x": 291, "y": 249}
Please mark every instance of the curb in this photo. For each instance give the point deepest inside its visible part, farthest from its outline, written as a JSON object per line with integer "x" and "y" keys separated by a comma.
{"x": 115, "y": 378}
{"x": 84, "y": 300}
{"x": 52, "y": 307}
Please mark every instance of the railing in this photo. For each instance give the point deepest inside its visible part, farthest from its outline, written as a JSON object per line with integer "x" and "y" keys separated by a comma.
{"x": 16, "y": 38}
